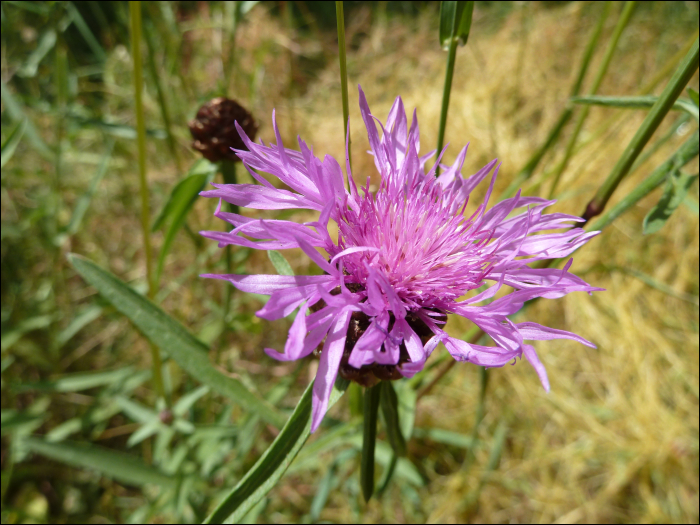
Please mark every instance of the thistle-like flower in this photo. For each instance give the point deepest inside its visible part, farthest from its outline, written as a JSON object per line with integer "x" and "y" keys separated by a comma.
{"x": 406, "y": 256}
{"x": 213, "y": 132}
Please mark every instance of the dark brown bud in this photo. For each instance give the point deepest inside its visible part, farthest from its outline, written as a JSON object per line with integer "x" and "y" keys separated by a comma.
{"x": 214, "y": 130}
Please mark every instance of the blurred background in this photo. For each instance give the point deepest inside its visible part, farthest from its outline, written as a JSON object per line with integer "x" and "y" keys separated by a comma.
{"x": 616, "y": 440}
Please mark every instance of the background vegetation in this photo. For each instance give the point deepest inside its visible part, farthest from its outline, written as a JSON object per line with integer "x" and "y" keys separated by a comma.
{"x": 615, "y": 441}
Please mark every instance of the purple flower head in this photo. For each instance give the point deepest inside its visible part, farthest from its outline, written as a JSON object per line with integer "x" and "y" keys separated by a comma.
{"x": 406, "y": 256}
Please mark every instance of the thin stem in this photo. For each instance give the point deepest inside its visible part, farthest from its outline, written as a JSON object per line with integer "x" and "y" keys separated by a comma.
{"x": 669, "y": 95}
{"x": 685, "y": 154}
{"x": 164, "y": 110}
{"x": 369, "y": 438}
{"x": 617, "y": 33}
{"x": 340, "y": 17}
{"x": 135, "y": 15}
{"x": 447, "y": 88}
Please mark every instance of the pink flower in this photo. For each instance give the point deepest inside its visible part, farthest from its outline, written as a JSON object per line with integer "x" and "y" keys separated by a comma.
{"x": 406, "y": 256}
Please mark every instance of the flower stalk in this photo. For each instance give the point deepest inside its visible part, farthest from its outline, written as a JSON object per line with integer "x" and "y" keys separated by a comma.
{"x": 340, "y": 17}
{"x": 135, "y": 19}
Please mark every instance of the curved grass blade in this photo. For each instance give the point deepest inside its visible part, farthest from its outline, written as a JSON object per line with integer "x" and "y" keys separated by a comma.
{"x": 10, "y": 144}
{"x": 122, "y": 467}
{"x": 272, "y": 465}
{"x": 164, "y": 331}
{"x": 179, "y": 204}
{"x": 389, "y": 403}
{"x": 369, "y": 440}
{"x": 455, "y": 22}
{"x": 677, "y": 186}
{"x": 644, "y": 102}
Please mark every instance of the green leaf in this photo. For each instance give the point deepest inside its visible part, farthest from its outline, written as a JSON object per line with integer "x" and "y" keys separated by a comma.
{"x": 389, "y": 404}
{"x": 16, "y": 112}
{"x": 642, "y": 102}
{"x": 407, "y": 407}
{"x": 11, "y": 336}
{"x": 81, "y": 320}
{"x": 78, "y": 382}
{"x": 46, "y": 43}
{"x": 179, "y": 204}
{"x": 122, "y": 467}
{"x": 693, "y": 96}
{"x": 455, "y": 22}
{"x": 677, "y": 186}
{"x": 83, "y": 203}
{"x": 369, "y": 439}
{"x": 201, "y": 168}
{"x": 268, "y": 470}
{"x": 11, "y": 142}
{"x": 165, "y": 332}
{"x": 280, "y": 263}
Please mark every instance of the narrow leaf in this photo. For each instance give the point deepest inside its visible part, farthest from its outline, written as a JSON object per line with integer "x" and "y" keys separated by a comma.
{"x": 369, "y": 439}
{"x": 78, "y": 382}
{"x": 693, "y": 96}
{"x": 175, "y": 211}
{"x": 46, "y": 43}
{"x": 272, "y": 465}
{"x": 389, "y": 404}
{"x": 165, "y": 332}
{"x": 677, "y": 187}
{"x": 455, "y": 22}
{"x": 280, "y": 263}
{"x": 200, "y": 168}
{"x": 643, "y": 102}
{"x": 83, "y": 203}
{"x": 16, "y": 112}
{"x": 125, "y": 468}
{"x": 10, "y": 144}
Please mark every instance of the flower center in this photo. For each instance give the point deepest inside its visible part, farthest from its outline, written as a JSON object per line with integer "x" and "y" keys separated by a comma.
{"x": 426, "y": 248}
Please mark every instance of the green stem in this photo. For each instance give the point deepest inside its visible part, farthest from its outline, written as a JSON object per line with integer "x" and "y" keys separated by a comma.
{"x": 340, "y": 17}
{"x": 685, "y": 154}
{"x": 526, "y": 172}
{"x": 369, "y": 438}
{"x": 447, "y": 88}
{"x": 617, "y": 33}
{"x": 135, "y": 16}
{"x": 164, "y": 111}
{"x": 663, "y": 105}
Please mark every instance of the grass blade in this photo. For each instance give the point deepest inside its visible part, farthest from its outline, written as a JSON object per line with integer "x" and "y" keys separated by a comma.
{"x": 165, "y": 332}
{"x": 643, "y": 102}
{"x": 280, "y": 263}
{"x": 272, "y": 465}
{"x": 369, "y": 440}
{"x": 389, "y": 403}
{"x": 124, "y": 468}
{"x": 10, "y": 144}
{"x": 677, "y": 186}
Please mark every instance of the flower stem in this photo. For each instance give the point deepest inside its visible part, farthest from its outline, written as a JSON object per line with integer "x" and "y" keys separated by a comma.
{"x": 340, "y": 17}
{"x": 369, "y": 438}
{"x": 135, "y": 19}
{"x": 447, "y": 88}
{"x": 619, "y": 28}
{"x": 669, "y": 95}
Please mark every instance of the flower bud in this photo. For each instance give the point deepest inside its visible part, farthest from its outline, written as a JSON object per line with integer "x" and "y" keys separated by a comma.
{"x": 214, "y": 130}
